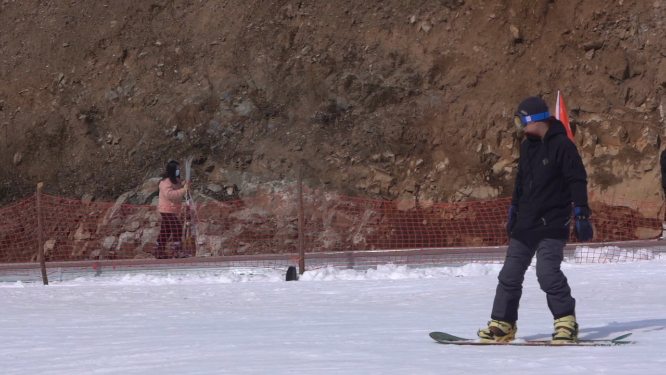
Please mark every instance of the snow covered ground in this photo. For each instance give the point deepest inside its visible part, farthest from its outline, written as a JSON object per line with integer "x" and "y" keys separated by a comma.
{"x": 330, "y": 322}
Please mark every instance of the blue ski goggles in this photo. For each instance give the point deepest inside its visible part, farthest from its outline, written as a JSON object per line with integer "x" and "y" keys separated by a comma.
{"x": 521, "y": 121}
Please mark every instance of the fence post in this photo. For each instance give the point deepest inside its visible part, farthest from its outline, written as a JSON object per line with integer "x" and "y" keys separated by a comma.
{"x": 40, "y": 236}
{"x": 301, "y": 246}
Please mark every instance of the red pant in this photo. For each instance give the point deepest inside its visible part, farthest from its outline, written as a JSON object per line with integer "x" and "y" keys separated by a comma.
{"x": 171, "y": 227}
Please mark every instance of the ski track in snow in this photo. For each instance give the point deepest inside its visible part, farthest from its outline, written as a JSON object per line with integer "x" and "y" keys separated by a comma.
{"x": 331, "y": 322}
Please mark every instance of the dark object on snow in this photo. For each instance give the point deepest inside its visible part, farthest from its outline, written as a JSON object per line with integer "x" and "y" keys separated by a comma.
{"x": 292, "y": 275}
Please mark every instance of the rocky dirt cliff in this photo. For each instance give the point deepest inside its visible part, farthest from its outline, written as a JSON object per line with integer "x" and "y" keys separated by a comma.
{"x": 393, "y": 99}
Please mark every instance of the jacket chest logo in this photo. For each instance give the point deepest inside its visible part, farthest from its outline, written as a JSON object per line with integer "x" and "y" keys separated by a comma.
{"x": 545, "y": 161}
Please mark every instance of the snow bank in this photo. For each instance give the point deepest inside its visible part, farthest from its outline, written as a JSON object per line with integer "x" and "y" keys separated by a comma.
{"x": 187, "y": 278}
{"x": 582, "y": 255}
{"x": 17, "y": 284}
{"x": 385, "y": 272}
{"x": 396, "y": 272}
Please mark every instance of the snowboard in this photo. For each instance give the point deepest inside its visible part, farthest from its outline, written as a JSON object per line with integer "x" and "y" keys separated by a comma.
{"x": 445, "y": 338}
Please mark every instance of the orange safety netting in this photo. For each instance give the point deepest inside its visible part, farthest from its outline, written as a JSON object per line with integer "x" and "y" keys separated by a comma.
{"x": 264, "y": 232}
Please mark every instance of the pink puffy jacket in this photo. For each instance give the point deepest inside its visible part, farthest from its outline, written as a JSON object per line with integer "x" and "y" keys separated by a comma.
{"x": 171, "y": 197}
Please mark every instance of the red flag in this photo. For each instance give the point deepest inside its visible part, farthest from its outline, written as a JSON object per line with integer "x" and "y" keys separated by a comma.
{"x": 561, "y": 114}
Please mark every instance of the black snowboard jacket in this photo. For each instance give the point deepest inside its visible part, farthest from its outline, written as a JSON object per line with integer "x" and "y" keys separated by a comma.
{"x": 551, "y": 177}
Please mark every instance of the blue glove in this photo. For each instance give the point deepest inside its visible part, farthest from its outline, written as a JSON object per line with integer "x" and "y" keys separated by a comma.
{"x": 513, "y": 215}
{"x": 583, "y": 227}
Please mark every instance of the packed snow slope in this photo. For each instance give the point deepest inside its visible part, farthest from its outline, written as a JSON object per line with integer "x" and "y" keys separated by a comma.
{"x": 330, "y": 322}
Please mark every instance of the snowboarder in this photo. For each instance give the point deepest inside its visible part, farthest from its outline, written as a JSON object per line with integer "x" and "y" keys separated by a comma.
{"x": 550, "y": 177}
{"x": 662, "y": 161}
{"x": 171, "y": 193}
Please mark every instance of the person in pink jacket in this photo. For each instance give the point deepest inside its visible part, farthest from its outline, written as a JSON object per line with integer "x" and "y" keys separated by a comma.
{"x": 170, "y": 204}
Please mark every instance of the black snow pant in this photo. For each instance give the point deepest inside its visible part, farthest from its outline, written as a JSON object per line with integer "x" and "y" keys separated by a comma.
{"x": 549, "y": 253}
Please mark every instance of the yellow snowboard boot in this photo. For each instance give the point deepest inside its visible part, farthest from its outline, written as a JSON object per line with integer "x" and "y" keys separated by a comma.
{"x": 498, "y": 331}
{"x": 566, "y": 330}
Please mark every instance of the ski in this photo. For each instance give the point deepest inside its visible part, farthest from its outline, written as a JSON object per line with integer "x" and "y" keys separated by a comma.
{"x": 190, "y": 242}
{"x": 445, "y": 338}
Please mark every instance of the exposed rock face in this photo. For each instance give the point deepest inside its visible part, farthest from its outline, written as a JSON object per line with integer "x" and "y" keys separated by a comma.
{"x": 398, "y": 100}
